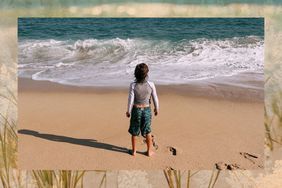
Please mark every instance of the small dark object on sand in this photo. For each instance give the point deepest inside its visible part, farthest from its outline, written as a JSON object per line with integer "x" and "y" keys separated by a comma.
{"x": 172, "y": 150}
{"x": 155, "y": 145}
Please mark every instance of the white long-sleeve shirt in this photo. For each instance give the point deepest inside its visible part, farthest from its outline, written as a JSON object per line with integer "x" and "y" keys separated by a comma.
{"x": 141, "y": 93}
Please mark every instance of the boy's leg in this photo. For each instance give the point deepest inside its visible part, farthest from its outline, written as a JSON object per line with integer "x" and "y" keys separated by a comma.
{"x": 133, "y": 141}
{"x": 149, "y": 144}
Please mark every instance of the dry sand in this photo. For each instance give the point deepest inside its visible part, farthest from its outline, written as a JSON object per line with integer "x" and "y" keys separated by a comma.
{"x": 66, "y": 127}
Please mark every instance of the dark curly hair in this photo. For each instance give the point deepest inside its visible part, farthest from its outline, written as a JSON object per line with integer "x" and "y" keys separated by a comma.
{"x": 141, "y": 72}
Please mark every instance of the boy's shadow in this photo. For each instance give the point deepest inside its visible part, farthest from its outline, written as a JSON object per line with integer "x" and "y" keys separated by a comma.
{"x": 84, "y": 142}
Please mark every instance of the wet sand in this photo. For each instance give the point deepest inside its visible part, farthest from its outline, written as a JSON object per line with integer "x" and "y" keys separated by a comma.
{"x": 67, "y": 127}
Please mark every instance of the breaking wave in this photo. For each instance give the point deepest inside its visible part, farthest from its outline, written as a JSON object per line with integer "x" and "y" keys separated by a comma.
{"x": 111, "y": 62}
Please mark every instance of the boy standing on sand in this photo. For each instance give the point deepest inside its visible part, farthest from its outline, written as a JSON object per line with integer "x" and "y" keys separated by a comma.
{"x": 139, "y": 99}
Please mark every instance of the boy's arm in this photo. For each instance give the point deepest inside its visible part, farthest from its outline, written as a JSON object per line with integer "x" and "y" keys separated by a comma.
{"x": 155, "y": 97}
{"x": 130, "y": 98}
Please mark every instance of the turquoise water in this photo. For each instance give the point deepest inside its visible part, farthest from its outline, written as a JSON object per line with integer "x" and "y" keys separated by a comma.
{"x": 105, "y": 51}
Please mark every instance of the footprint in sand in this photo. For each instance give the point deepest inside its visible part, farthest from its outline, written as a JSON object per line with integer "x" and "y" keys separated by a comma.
{"x": 247, "y": 155}
{"x": 224, "y": 166}
{"x": 173, "y": 150}
{"x": 251, "y": 157}
{"x": 154, "y": 142}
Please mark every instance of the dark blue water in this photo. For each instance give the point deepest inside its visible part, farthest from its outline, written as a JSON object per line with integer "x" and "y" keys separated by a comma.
{"x": 173, "y": 29}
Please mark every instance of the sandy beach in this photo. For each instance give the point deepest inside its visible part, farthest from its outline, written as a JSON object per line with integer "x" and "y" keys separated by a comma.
{"x": 67, "y": 127}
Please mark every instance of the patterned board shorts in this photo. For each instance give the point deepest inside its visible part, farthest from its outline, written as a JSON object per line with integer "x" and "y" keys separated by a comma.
{"x": 140, "y": 121}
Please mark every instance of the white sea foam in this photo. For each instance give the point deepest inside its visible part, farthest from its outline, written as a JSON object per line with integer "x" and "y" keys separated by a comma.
{"x": 111, "y": 62}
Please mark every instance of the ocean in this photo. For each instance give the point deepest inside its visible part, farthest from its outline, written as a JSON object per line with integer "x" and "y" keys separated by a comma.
{"x": 105, "y": 51}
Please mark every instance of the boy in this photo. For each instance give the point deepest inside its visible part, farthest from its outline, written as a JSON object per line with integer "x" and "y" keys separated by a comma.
{"x": 139, "y": 99}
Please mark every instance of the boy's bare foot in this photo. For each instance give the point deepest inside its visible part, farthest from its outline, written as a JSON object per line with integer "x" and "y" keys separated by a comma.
{"x": 133, "y": 153}
{"x": 150, "y": 153}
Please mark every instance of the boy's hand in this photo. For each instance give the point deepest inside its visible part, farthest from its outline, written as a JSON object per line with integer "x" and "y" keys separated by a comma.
{"x": 127, "y": 114}
{"x": 156, "y": 112}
